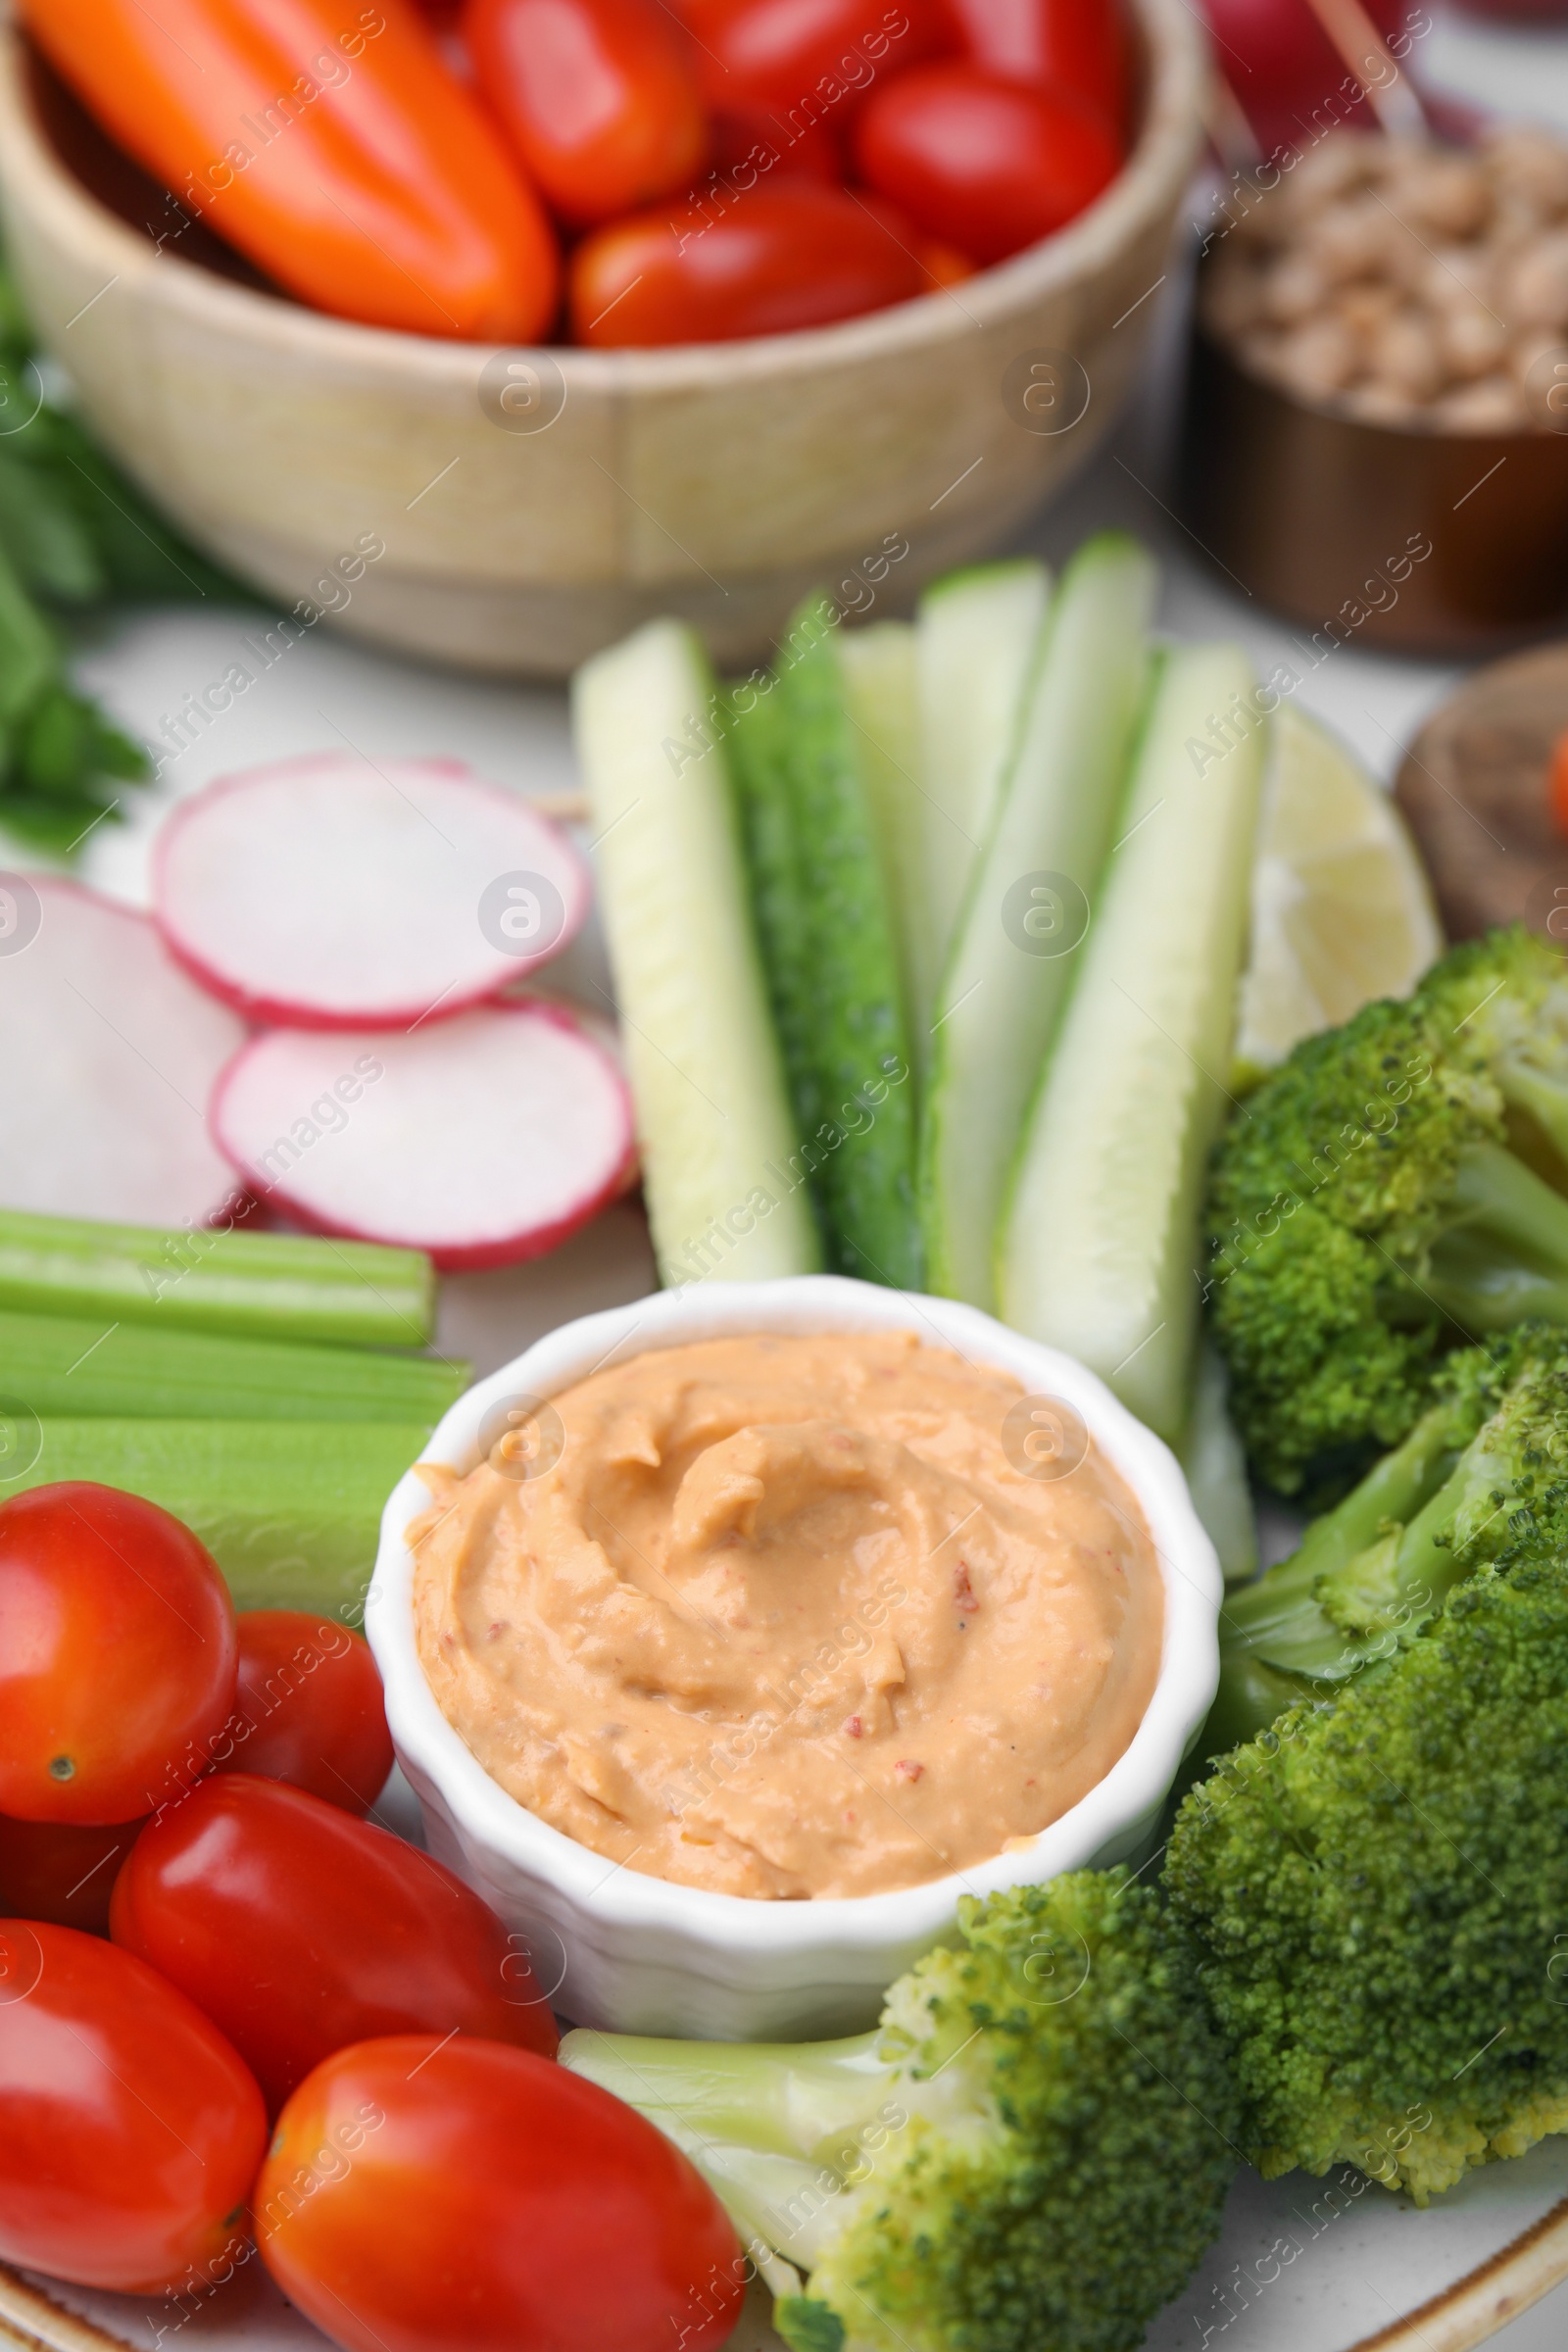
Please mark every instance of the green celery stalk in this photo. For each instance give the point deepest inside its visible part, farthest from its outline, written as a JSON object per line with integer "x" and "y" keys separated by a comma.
{"x": 74, "y": 1366}
{"x": 265, "y": 1285}
{"x": 290, "y": 1511}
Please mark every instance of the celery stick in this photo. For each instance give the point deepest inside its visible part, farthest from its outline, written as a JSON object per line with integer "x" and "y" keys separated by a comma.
{"x": 713, "y": 1115}
{"x": 291, "y": 1511}
{"x": 979, "y": 642}
{"x": 1098, "y": 1250}
{"x": 270, "y": 1286}
{"x": 1017, "y": 950}
{"x": 864, "y": 1146}
{"x": 882, "y": 698}
{"x": 68, "y": 1364}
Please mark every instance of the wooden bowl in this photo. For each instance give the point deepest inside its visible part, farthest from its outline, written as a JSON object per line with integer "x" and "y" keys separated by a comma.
{"x": 718, "y": 481}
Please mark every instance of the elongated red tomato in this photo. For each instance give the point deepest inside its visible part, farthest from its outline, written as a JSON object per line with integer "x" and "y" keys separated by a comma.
{"x": 780, "y": 56}
{"x": 299, "y": 1930}
{"x": 116, "y": 1654}
{"x": 781, "y": 257}
{"x": 469, "y": 2198}
{"x": 1080, "y": 45}
{"x": 59, "y": 1871}
{"x": 308, "y": 1709}
{"x": 987, "y": 164}
{"x": 328, "y": 141}
{"x": 598, "y": 97}
{"x": 131, "y": 2131}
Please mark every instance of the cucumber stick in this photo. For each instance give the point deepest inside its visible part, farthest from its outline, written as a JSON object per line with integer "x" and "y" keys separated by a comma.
{"x": 978, "y": 642}
{"x": 263, "y": 1283}
{"x": 68, "y": 1364}
{"x": 290, "y": 1511}
{"x": 1100, "y": 1249}
{"x": 713, "y": 1114}
{"x": 1016, "y": 952}
{"x": 881, "y": 667}
{"x": 860, "y": 1150}
{"x": 759, "y": 771}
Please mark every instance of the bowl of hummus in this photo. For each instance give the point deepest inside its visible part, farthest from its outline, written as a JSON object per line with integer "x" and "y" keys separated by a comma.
{"x": 731, "y": 1637}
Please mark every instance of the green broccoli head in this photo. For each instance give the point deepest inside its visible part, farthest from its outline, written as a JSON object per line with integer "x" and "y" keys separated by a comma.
{"x": 1030, "y": 2156}
{"x": 1381, "y": 1194}
{"x": 1379, "y": 1887}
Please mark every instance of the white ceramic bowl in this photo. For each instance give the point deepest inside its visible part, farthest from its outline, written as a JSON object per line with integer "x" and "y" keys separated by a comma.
{"x": 638, "y": 1954}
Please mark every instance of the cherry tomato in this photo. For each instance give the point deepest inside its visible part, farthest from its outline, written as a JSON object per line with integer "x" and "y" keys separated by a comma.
{"x": 467, "y": 2198}
{"x": 308, "y": 1709}
{"x": 745, "y": 148}
{"x": 794, "y": 58}
{"x": 116, "y": 1654}
{"x": 1080, "y": 45}
{"x": 941, "y": 265}
{"x": 989, "y": 165}
{"x": 130, "y": 2131}
{"x": 1284, "y": 69}
{"x": 780, "y": 258}
{"x": 599, "y": 98}
{"x": 298, "y": 1929}
{"x": 61, "y": 1872}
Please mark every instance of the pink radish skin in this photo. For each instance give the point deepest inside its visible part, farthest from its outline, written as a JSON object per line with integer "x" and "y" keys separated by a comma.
{"x": 107, "y": 1056}
{"x": 328, "y": 893}
{"x": 484, "y": 1140}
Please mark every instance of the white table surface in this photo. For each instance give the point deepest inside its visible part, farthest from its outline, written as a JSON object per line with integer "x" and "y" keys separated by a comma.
{"x": 331, "y": 693}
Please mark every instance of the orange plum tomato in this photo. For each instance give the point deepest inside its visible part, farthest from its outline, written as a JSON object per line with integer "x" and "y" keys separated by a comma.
{"x": 299, "y": 1930}
{"x": 795, "y": 59}
{"x": 1080, "y": 45}
{"x": 598, "y": 97}
{"x": 118, "y": 1655}
{"x": 131, "y": 2132}
{"x": 462, "y": 2197}
{"x": 61, "y": 1871}
{"x": 985, "y": 164}
{"x": 308, "y": 1709}
{"x": 781, "y": 257}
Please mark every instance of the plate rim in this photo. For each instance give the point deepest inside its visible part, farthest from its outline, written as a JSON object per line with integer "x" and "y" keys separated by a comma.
{"x": 1456, "y": 2319}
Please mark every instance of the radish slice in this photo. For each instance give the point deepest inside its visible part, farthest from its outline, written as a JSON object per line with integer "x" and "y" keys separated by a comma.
{"x": 483, "y": 1140}
{"x": 326, "y": 893}
{"x": 108, "y": 1054}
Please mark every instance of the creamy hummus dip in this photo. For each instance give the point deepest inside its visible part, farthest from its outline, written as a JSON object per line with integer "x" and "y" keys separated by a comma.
{"x": 787, "y": 1616}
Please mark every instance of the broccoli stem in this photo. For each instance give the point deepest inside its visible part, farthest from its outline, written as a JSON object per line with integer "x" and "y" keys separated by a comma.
{"x": 779, "y": 2130}
{"x": 1505, "y": 1256}
{"x": 1545, "y": 1099}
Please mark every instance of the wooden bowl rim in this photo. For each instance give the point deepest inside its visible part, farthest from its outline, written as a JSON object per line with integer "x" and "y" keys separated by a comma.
{"x": 1179, "y": 68}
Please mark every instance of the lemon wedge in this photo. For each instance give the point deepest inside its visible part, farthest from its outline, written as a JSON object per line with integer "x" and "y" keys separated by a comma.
{"x": 1341, "y": 911}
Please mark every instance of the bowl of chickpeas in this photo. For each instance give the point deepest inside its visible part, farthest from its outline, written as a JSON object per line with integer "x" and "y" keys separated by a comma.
{"x": 1376, "y": 432}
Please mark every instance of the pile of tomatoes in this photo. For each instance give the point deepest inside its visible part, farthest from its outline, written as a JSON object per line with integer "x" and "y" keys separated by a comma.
{"x": 238, "y": 2022}
{"x": 767, "y": 165}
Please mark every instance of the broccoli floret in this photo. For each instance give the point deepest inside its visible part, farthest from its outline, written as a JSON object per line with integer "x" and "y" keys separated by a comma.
{"x": 1490, "y": 1448}
{"x": 1030, "y": 2155}
{"x": 1397, "y": 1185}
{"x": 1378, "y": 1887}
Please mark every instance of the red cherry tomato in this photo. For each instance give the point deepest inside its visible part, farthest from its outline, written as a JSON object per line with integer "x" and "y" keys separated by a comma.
{"x": 116, "y": 1654}
{"x": 130, "y": 2131}
{"x": 941, "y": 265}
{"x": 1080, "y": 45}
{"x": 800, "y": 56}
{"x": 308, "y": 1709}
{"x": 1284, "y": 69}
{"x": 745, "y": 148}
{"x": 298, "y": 1929}
{"x": 780, "y": 258}
{"x": 469, "y": 2198}
{"x": 61, "y": 1872}
{"x": 599, "y": 98}
{"x": 985, "y": 164}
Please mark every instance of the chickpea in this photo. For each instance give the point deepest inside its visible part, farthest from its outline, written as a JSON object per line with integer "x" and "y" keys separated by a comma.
{"x": 1529, "y": 164}
{"x": 1495, "y": 405}
{"x": 1535, "y": 288}
{"x": 1471, "y": 342}
{"x": 1381, "y": 404}
{"x": 1447, "y": 194}
{"x": 1318, "y": 359}
{"x": 1293, "y": 289}
{"x": 1403, "y": 355}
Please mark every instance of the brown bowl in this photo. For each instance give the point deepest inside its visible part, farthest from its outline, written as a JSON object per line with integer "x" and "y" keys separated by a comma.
{"x": 1421, "y": 542}
{"x": 531, "y": 505}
